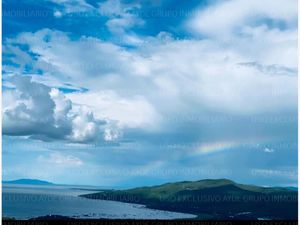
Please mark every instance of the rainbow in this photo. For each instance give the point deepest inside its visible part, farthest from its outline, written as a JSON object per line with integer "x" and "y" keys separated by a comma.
{"x": 207, "y": 148}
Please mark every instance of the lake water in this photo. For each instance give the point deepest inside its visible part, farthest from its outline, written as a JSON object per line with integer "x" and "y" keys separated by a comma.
{"x": 25, "y": 202}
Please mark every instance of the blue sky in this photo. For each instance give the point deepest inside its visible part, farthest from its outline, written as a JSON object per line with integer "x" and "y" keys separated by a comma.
{"x": 131, "y": 93}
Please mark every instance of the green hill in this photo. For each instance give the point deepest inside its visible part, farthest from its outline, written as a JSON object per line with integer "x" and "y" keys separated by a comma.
{"x": 217, "y": 199}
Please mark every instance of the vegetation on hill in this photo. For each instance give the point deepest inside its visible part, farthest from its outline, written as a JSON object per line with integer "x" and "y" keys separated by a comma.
{"x": 220, "y": 198}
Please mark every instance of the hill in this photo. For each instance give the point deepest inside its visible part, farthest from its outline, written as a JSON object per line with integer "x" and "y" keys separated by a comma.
{"x": 28, "y": 182}
{"x": 215, "y": 199}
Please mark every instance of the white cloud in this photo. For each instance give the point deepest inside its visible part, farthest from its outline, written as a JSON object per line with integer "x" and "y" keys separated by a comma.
{"x": 61, "y": 57}
{"x": 71, "y": 6}
{"x": 143, "y": 87}
{"x": 85, "y": 126}
{"x": 120, "y": 16}
{"x": 117, "y": 9}
{"x": 227, "y": 17}
{"x": 34, "y": 109}
{"x": 131, "y": 112}
{"x": 121, "y": 20}
{"x": 112, "y": 132}
{"x": 60, "y": 159}
{"x": 31, "y": 108}
{"x": 62, "y": 108}
{"x": 57, "y": 14}
{"x": 118, "y": 25}
{"x": 269, "y": 150}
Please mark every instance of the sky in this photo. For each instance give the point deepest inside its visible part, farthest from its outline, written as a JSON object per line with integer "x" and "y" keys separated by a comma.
{"x": 121, "y": 93}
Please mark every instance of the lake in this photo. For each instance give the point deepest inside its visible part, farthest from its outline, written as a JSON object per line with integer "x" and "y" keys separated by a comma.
{"x": 30, "y": 201}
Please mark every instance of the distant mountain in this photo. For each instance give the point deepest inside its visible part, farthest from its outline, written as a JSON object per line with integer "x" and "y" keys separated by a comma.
{"x": 28, "y": 181}
{"x": 292, "y": 188}
{"x": 212, "y": 199}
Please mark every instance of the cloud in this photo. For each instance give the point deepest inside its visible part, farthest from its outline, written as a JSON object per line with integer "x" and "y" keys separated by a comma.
{"x": 225, "y": 18}
{"x": 130, "y": 112}
{"x": 157, "y": 71}
{"x": 61, "y": 57}
{"x": 57, "y": 14}
{"x": 269, "y": 150}
{"x": 31, "y": 106}
{"x": 60, "y": 159}
{"x": 121, "y": 19}
{"x": 266, "y": 35}
{"x": 109, "y": 64}
{"x": 271, "y": 69}
{"x": 120, "y": 15}
{"x": 71, "y": 6}
{"x": 85, "y": 127}
{"x": 145, "y": 87}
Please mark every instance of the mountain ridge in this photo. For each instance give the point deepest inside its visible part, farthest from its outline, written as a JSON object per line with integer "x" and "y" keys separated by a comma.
{"x": 28, "y": 181}
{"x": 214, "y": 198}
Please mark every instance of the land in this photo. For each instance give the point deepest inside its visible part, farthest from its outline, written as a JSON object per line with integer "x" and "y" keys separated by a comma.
{"x": 28, "y": 182}
{"x": 212, "y": 199}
